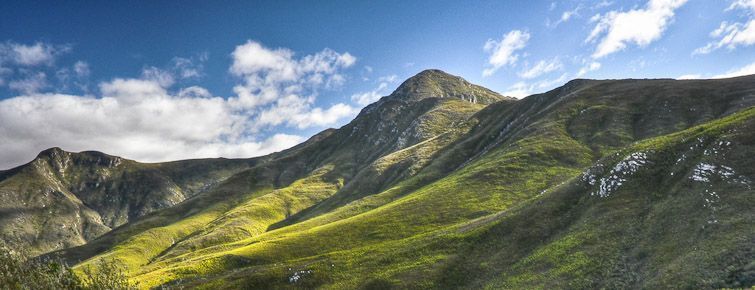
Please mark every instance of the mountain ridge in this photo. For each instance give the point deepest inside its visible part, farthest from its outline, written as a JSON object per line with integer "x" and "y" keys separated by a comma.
{"x": 437, "y": 83}
{"x": 429, "y": 187}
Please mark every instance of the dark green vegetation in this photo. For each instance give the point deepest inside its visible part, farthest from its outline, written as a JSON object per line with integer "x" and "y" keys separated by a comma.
{"x": 17, "y": 272}
{"x": 444, "y": 184}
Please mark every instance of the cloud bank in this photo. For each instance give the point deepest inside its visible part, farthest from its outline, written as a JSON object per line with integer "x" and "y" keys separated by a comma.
{"x": 147, "y": 119}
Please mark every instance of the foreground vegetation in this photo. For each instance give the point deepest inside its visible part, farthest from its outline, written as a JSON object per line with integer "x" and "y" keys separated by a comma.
{"x": 19, "y": 272}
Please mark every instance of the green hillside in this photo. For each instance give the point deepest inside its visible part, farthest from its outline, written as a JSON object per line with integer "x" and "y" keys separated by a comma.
{"x": 442, "y": 184}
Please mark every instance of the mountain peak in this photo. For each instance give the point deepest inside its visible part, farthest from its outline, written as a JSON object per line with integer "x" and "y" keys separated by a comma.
{"x": 434, "y": 83}
{"x": 51, "y": 152}
{"x": 59, "y": 158}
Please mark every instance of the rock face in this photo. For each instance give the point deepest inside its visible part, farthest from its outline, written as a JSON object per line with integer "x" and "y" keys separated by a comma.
{"x": 445, "y": 184}
{"x": 63, "y": 199}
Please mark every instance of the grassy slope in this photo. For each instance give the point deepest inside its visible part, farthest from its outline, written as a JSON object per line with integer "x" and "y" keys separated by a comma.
{"x": 255, "y": 212}
{"x": 653, "y": 234}
{"x": 657, "y": 230}
{"x": 166, "y": 235}
{"x": 410, "y": 229}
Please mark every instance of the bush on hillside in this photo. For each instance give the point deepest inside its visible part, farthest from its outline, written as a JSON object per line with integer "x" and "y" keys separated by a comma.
{"x": 18, "y": 272}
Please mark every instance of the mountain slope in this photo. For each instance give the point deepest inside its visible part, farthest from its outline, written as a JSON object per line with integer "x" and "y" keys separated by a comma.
{"x": 430, "y": 186}
{"x": 334, "y": 160}
{"x": 670, "y": 212}
{"x": 64, "y": 199}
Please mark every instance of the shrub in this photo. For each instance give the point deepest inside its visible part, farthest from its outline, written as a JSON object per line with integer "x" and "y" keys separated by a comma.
{"x": 19, "y": 272}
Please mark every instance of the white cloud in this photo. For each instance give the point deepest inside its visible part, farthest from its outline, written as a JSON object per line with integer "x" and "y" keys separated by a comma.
{"x": 370, "y": 97}
{"x": 260, "y": 65}
{"x": 133, "y": 118}
{"x": 194, "y": 92}
{"x": 366, "y": 98}
{"x": 592, "y": 66}
{"x": 566, "y": 16}
{"x": 601, "y": 4}
{"x": 541, "y": 67}
{"x": 159, "y": 76}
{"x": 81, "y": 69}
{"x": 32, "y": 68}
{"x": 615, "y": 30}
{"x": 732, "y": 35}
{"x": 30, "y": 55}
{"x": 180, "y": 69}
{"x": 269, "y": 74}
{"x": 748, "y": 69}
{"x": 30, "y": 84}
{"x": 742, "y": 71}
{"x": 522, "y": 89}
{"x": 569, "y": 14}
{"x": 742, "y": 4}
{"x": 295, "y": 111}
{"x": 188, "y": 68}
{"x": 503, "y": 52}
{"x": 320, "y": 117}
{"x": 285, "y": 86}
{"x": 519, "y": 90}
{"x": 689, "y": 77}
{"x": 143, "y": 119}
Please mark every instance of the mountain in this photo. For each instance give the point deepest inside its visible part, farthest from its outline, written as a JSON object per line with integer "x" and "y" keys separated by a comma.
{"x": 63, "y": 199}
{"x": 444, "y": 184}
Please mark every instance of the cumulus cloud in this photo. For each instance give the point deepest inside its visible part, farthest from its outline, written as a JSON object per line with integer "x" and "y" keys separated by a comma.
{"x": 135, "y": 118}
{"x": 732, "y": 35}
{"x": 296, "y": 111}
{"x": 615, "y": 30}
{"x": 270, "y": 73}
{"x": 160, "y": 76}
{"x": 540, "y": 68}
{"x": 503, "y": 52}
{"x": 146, "y": 119}
{"x": 263, "y": 67}
{"x": 30, "y": 55}
{"x": 283, "y": 88}
{"x": 31, "y": 68}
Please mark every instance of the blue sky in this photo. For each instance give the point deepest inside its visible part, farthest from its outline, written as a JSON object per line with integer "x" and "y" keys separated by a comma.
{"x": 160, "y": 80}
